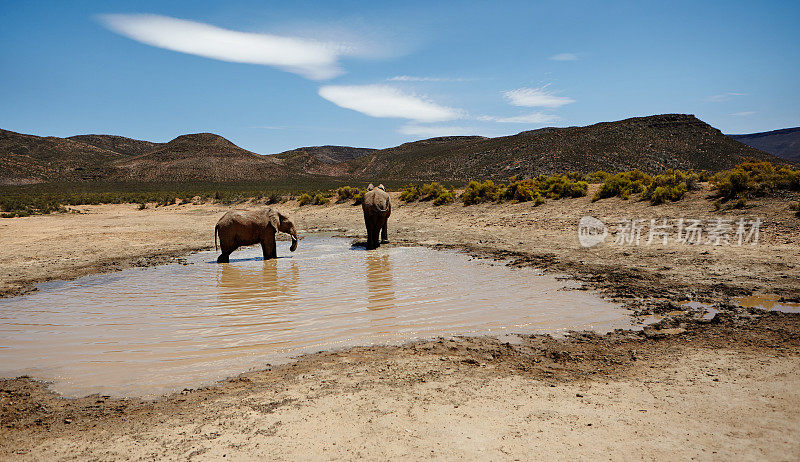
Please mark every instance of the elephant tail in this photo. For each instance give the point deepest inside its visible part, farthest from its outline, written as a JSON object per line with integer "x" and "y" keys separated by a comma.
{"x": 216, "y": 231}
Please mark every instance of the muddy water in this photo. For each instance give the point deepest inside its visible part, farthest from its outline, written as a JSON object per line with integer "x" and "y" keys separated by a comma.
{"x": 147, "y": 331}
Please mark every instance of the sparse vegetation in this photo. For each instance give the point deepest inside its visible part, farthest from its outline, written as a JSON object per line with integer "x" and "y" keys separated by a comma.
{"x": 428, "y": 192}
{"x": 346, "y": 193}
{"x": 320, "y": 199}
{"x": 410, "y": 193}
{"x": 304, "y": 199}
{"x": 753, "y": 179}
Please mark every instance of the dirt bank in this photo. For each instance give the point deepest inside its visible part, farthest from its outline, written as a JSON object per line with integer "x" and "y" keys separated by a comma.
{"x": 725, "y": 389}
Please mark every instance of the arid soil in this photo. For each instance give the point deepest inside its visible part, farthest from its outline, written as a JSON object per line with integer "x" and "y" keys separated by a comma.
{"x": 725, "y": 388}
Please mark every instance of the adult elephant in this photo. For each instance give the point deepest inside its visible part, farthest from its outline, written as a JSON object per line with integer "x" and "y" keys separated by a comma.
{"x": 247, "y": 227}
{"x": 377, "y": 209}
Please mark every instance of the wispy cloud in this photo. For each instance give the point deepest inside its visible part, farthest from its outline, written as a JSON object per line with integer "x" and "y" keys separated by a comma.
{"x": 535, "y": 97}
{"x": 310, "y": 58}
{"x": 411, "y": 78}
{"x": 533, "y": 118}
{"x": 435, "y": 130}
{"x": 386, "y": 101}
{"x": 564, "y": 57}
{"x": 723, "y": 97}
{"x": 743, "y": 113}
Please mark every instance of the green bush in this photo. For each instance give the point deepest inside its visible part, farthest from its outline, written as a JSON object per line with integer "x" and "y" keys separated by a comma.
{"x": 359, "y": 197}
{"x": 304, "y": 199}
{"x": 445, "y": 197}
{"x": 670, "y": 186}
{"x": 410, "y": 193}
{"x": 623, "y": 185}
{"x": 431, "y": 191}
{"x": 320, "y": 199}
{"x": 346, "y": 193}
{"x": 754, "y": 178}
{"x": 520, "y": 190}
{"x": 741, "y": 201}
{"x": 476, "y": 192}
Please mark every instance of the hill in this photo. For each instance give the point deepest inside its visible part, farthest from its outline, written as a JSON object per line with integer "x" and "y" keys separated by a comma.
{"x": 782, "y": 143}
{"x": 119, "y": 144}
{"x": 322, "y": 160}
{"x": 198, "y": 157}
{"x": 651, "y": 144}
{"x": 35, "y": 159}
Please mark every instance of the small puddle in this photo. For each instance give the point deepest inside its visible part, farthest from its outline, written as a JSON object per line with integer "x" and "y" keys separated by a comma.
{"x": 768, "y": 302}
{"x": 148, "y": 331}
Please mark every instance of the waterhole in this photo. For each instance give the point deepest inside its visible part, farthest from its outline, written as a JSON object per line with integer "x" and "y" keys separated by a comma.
{"x": 148, "y": 331}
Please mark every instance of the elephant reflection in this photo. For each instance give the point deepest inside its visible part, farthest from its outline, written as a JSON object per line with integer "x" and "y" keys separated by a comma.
{"x": 265, "y": 283}
{"x": 379, "y": 282}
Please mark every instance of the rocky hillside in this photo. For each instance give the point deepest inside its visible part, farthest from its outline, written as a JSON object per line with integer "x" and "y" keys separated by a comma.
{"x": 651, "y": 144}
{"x": 35, "y": 159}
{"x": 120, "y": 144}
{"x": 198, "y": 157}
{"x": 323, "y": 160}
{"x": 782, "y": 143}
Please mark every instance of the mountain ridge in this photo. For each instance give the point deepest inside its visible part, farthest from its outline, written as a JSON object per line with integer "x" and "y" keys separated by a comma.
{"x": 784, "y": 143}
{"x": 651, "y": 144}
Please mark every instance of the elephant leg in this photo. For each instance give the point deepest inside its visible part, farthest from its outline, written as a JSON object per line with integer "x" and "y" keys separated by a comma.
{"x": 384, "y": 232}
{"x": 269, "y": 247}
{"x": 226, "y": 252}
{"x": 370, "y": 236}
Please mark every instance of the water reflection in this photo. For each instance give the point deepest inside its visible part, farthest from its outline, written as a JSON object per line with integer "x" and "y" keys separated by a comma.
{"x": 141, "y": 332}
{"x": 264, "y": 284}
{"x": 379, "y": 281}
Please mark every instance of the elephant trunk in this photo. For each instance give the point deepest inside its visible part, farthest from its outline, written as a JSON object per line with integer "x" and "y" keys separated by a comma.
{"x": 293, "y": 233}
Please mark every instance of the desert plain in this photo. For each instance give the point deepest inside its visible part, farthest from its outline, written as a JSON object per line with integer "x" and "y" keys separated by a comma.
{"x": 689, "y": 385}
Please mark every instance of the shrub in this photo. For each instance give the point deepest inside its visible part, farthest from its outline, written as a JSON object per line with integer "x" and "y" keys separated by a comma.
{"x": 359, "y": 197}
{"x": 274, "y": 198}
{"x": 346, "y": 193}
{"x": 520, "y": 191}
{"x": 623, "y": 185}
{"x": 410, "y": 193}
{"x": 304, "y": 199}
{"x": 597, "y": 177}
{"x": 755, "y": 179}
{"x": 143, "y": 206}
{"x": 445, "y": 197}
{"x": 475, "y": 192}
{"x": 741, "y": 201}
{"x": 431, "y": 191}
{"x": 670, "y": 186}
{"x": 320, "y": 199}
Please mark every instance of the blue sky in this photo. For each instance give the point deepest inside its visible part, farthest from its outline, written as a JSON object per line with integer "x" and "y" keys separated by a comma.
{"x": 272, "y": 76}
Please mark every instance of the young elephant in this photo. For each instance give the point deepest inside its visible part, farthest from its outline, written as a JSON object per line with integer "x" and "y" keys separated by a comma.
{"x": 377, "y": 209}
{"x": 247, "y": 227}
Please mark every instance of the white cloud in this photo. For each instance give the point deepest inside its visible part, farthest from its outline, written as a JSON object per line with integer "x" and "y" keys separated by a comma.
{"x": 411, "y": 78}
{"x": 386, "y": 101}
{"x": 564, "y": 57}
{"x": 533, "y": 118}
{"x": 310, "y": 58}
{"x": 723, "y": 97}
{"x": 535, "y": 97}
{"x": 435, "y": 130}
{"x": 743, "y": 113}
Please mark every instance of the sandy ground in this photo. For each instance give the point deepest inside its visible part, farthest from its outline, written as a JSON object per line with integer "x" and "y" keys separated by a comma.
{"x": 728, "y": 388}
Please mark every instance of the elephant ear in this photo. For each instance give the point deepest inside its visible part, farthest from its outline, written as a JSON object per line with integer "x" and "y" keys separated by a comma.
{"x": 370, "y": 187}
{"x": 380, "y": 186}
{"x": 274, "y": 220}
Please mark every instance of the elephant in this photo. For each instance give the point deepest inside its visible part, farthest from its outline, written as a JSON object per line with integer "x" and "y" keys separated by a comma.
{"x": 247, "y": 227}
{"x": 377, "y": 208}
